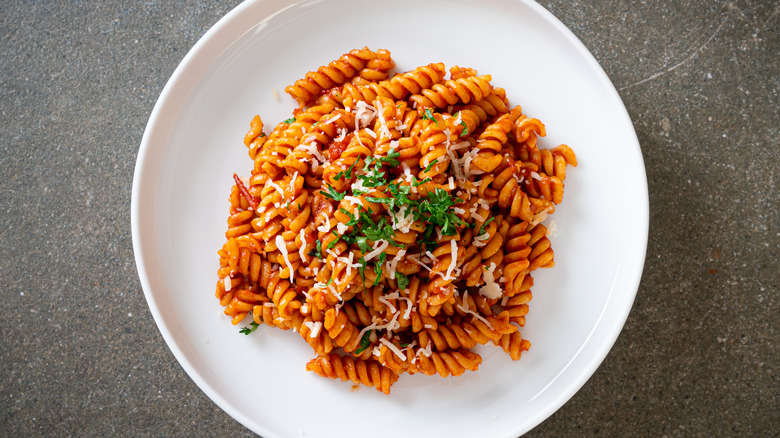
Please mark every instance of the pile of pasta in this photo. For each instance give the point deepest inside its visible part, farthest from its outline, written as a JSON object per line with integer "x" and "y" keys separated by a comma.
{"x": 393, "y": 221}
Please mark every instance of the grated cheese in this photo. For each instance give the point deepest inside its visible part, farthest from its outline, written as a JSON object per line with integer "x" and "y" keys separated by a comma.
{"x": 482, "y": 240}
{"x": 379, "y": 247}
{"x": 402, "y": 221}
{"x": 386, "y": 300}
{"x": 228, "y": 284}
{"x": 465, "y": 308}
{"x": 302, "y": 249}
{"x": 552, "y": 229}
{"x": 393, "y": 348}
{"x": 282, "y": 246}
{"x": 329, "y": 121}
{"x": 392, "y": 264}
{"x": 354, "y": 200}
{"x": 491, "y": 289}
{"x": 314, "y": 326}
{"x": 358, "y": 188}
{"x": 326, "y": 226}
{"x": 454, "y": 261}
{"x": 276, "y": 186}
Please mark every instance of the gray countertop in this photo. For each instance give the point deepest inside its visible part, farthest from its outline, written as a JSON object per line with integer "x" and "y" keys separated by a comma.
{"x": 80, "y": 353}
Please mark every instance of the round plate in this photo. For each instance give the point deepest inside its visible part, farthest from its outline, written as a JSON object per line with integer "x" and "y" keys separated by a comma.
{"x": 193, "y": 145}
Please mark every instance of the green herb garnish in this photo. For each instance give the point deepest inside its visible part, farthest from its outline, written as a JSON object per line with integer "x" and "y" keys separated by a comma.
{"x": 428, "y": 167}
{"x": 252, "y": 327}
{"x": 347, "y": 175}
{"x": 365, "y": 342}
{"x": 402, "y": 280}
{"x": 330, "y": 192}
{"x": 429, "y": 115}
{"x": 483, "y": 229}
{"x": 290, "y": 120}
{"x": 317, "y": 251}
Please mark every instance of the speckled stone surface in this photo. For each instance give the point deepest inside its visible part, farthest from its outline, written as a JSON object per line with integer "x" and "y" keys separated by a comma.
{"x": 80, "y": 354}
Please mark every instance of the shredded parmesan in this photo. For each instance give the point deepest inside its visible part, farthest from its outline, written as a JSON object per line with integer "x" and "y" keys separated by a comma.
{"x": 326, "y": 226}
{"x": 491, "y": 289}
{"x": 465, "y": 308}
{"x": 393, "y": 348}
{"x": 333, "y": 119}
{"x": 314, "y": 326}
{"x": 276, "y": 186}
{"x": 379, "y": 247}
{"x": 481, "y": 240}
{"x": 302, "y": 249}
{"x": 392, "y": 264}
{"x": 228, "y": 284}
{"x": 354, "y": 200}
{"x": 386, "y": 300}
{"x": 454, "y": 261}
{"x": 282, "y": 246}
{"x": 552, "y": 229}
{"x": 402, "y": 221}
{"x": 427, "y": 351}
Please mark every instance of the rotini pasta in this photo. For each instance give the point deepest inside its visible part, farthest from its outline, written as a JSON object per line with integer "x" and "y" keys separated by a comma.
{"x": 394, "y": 221}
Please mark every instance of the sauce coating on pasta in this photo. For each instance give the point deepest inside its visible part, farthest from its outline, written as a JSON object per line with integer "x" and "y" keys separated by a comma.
{"x": 394, "y": 221}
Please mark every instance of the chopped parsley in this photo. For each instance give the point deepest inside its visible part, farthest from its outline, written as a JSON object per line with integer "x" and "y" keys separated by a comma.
{"x": 330, "y": 192}
{"x": 435, "y": 211}
{"x": 483, "y": 228}
{"x": 347, "y": 175}
{"x": 317, "y": 251}
{"x": 428, "y": 167}
{"x": 252, "y": 327}
{"x": 290, "y": 120}
{"x": 429, "y": 116}
{"x": 365, "y": 342}
{"x": 402, "y": 280}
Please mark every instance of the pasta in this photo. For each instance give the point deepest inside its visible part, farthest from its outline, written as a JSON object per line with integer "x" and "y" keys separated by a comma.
{"x": 394, "y": 221}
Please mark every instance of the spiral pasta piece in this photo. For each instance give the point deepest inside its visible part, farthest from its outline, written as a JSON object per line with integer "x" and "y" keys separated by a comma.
{"x": 364, "y": 63}
{"x": 364, "y": 372}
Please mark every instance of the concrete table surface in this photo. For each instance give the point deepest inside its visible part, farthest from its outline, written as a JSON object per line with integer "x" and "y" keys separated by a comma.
{"x": 80, "y": 354}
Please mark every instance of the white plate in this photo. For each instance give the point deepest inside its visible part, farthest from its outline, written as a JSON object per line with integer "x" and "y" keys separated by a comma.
{"x": 193, "y": 145}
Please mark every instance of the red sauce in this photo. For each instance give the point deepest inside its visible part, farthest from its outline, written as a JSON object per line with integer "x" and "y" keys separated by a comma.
{"x": 337, "y": 148}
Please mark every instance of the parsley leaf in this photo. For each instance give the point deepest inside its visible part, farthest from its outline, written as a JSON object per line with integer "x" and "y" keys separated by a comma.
{"x": 330, "y": 192}
{"x": 482, "y": 229}
{"x": 362, "y": 242}
{"x": 365, "y": 342}
{"x": 435, "y": 211}
{"x": 402, "y": 280}
{"x": 381, "y": 230}
{"x": 429, "y": 116}
{"x": 428, "y": 167}
{"x": 252, "y": 327}
{"x": 317, "y": 251}
{"x": 290, "y": 120}
{"x": 347, "y": 175}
